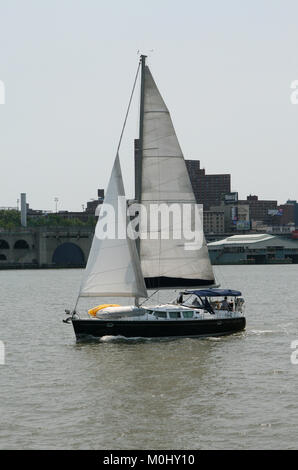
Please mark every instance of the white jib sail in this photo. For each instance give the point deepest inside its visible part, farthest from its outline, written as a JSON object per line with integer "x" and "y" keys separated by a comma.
{"x": 113, "y": 268}
{"x": 165, "y": 180}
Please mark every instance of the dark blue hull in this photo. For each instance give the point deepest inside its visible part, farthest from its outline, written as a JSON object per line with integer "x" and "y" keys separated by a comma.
{"x": 85, "y": 329}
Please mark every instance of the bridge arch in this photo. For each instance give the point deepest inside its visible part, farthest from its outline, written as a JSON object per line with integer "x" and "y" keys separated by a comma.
{"x": 4, "y": 245}
{"x": 21, "y": 245}
{"x": 68, "y": 254}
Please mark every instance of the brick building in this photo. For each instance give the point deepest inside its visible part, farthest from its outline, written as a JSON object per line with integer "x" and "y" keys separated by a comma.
{"x": 209, "y": 190}
{"x": 214, "y": 222}
{"x": 92, "y": 205}
{"x": 260, "y": 209}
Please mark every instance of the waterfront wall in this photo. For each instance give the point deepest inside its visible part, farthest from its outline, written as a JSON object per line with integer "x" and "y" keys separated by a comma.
{"x": 278, "y": 255}
{"x": 45, "y": 247}
{"x": 59, "y": 247}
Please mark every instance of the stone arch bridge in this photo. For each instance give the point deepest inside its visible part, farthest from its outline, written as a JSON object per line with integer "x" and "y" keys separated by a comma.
{"x": 44, "y": 247}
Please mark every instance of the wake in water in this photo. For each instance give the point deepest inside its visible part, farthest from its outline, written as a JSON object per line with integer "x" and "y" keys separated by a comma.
{"x": 263, "y": 332}
{"x": 123, "y": 339}
{"x": 163, "y": 339}
{"x": 284, "y": 329}
{"x": 138, "y": 339}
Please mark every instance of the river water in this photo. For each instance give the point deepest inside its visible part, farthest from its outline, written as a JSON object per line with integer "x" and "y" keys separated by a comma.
{"x": 234, "y": 392}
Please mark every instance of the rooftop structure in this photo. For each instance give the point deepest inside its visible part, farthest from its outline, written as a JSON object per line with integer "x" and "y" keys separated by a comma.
{"x": 260, "y": 248}
{"x": 243, "y": 239}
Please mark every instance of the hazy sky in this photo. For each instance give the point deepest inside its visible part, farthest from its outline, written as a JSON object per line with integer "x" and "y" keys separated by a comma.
{"x": 224, "y": 69}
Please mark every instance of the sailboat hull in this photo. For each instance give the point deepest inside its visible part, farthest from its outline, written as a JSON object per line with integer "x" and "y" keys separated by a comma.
{"x": 88, "y": 329}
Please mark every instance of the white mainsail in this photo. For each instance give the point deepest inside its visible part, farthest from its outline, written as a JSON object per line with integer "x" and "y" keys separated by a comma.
{"x": 165, "y": 180}
{"x": 113, "y": 268}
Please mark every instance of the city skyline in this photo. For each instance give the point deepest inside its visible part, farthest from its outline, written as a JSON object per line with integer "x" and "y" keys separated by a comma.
{"x": 84, "y": 204}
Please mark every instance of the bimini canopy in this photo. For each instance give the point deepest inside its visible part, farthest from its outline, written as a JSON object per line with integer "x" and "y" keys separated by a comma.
{"x": 213, "y": 292}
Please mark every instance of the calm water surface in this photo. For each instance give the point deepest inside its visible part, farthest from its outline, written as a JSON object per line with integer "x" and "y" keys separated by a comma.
{"x": 234, "y": 392}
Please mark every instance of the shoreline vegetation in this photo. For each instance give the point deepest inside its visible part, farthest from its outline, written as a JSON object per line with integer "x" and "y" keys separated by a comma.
{"x": 10, "y": 219}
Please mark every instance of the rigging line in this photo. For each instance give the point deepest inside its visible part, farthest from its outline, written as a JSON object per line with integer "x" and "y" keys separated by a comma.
{"x": 128, "y": 108}
{"x": 149, "y": 297}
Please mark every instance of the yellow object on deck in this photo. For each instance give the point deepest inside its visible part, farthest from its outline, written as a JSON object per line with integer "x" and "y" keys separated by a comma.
{"x": 94, "y": 310}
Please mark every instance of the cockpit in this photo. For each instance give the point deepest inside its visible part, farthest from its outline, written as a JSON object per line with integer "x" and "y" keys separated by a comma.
{"x": 212, "y": 300}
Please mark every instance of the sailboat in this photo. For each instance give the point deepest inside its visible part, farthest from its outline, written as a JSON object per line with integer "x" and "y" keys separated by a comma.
{"x": 160, "y": 256}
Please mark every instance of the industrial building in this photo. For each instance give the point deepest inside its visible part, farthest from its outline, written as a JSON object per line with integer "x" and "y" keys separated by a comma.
{"x": 254, "y": 249}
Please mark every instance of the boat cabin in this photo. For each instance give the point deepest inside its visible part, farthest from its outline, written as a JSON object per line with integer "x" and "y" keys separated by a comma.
{"x": 172, "y": 314}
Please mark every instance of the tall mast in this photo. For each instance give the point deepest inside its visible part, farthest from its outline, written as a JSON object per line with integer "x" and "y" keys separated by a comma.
{"x": 139, "y": 152}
